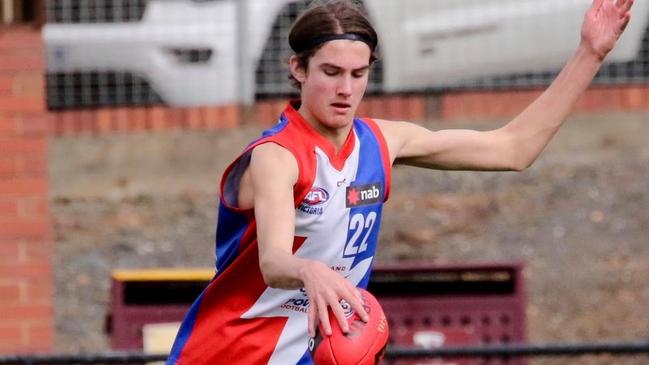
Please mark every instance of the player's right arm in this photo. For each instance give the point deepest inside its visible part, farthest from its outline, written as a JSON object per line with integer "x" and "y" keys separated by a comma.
{"x": 273, "y": 173}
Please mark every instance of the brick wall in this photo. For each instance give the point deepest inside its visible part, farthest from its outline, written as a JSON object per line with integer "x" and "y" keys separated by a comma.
{"x": 26, "y": 316}
{"x": 475, "y": 105}
{"x": 451, "y": 106}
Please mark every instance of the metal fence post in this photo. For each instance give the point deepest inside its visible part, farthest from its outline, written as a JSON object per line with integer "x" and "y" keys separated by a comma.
{"x": 246, "y": 84}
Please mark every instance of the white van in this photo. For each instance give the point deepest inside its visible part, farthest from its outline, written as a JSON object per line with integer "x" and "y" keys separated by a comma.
{"x": 187, "y": 51}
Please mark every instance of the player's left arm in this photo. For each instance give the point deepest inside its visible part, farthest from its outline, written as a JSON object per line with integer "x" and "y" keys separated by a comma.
{"x": 516, "y": 145}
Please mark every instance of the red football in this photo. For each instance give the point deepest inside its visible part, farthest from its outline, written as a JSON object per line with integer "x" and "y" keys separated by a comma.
{"x": 363, "y": 345}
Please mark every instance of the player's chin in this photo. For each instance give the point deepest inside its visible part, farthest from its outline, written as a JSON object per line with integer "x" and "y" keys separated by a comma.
{"x": 340, "y": 120}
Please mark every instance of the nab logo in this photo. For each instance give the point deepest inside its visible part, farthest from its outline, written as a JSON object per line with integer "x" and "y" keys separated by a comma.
{"x": 316, "y": 196}
{"x": 363, "y": 194}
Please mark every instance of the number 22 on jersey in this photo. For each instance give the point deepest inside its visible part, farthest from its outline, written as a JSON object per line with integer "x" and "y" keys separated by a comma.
{"x": 360, "y": 228}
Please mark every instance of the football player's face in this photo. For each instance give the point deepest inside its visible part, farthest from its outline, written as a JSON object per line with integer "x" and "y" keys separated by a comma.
{"x": 334, "y": 83}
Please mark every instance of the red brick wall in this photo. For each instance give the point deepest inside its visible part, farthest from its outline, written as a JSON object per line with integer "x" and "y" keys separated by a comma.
{"x": 26, "y": 317}
{"x": 142, "y": 119}
{"x": 162, "y": 118}
{"x": 474, "y": 105}
{"x": 452, "y": 106}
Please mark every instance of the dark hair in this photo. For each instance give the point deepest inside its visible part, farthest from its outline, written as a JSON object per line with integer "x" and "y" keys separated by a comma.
{"x": 324, "y": 18}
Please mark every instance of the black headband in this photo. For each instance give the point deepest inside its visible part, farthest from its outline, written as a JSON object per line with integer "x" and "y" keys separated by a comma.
{"x": 331, "y": 37}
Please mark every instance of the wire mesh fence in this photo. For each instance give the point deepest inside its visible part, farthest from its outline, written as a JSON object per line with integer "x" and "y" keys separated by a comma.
{"x": 201, "y": 52}
{"x": 524, "y": 354}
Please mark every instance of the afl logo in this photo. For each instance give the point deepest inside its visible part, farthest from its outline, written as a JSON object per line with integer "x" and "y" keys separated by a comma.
{"x": 346, "y": 308}
{"x": 316, "y": 196}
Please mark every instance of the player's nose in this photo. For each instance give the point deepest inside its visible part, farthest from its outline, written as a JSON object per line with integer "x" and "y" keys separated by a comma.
{"x": 345, "y": 85}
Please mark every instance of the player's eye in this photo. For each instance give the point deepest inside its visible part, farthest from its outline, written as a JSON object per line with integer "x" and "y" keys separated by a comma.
{"x": 359, "y": 74}
{"x": 330, "y": 72}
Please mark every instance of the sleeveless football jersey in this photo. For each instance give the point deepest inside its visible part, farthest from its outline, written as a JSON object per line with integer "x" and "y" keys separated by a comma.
{"x": 338, "y": 199}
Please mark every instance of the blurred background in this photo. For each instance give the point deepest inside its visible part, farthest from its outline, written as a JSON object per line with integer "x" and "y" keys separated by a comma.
{"x": 188, "y": 53}
{"x": 120, "y": 115}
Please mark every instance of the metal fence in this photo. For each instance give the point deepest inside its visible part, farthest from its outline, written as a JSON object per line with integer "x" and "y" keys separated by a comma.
{"x": 209, "y": 52}
{"x": 555, "y": 354}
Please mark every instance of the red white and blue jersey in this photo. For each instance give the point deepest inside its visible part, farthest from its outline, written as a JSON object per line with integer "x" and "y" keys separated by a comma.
{"x": 338, "y": 200}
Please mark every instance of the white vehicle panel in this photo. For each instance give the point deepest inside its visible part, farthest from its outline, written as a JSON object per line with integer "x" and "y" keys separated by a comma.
{"x": 423, "y": 43}
{"x": 444, "y": 42}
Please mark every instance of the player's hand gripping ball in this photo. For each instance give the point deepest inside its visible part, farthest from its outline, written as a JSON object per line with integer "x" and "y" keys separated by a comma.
{"x": 364, "y": 344}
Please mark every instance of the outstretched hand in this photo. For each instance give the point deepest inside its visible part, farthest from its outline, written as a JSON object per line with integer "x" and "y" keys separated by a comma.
{"x": 603, "y": 25}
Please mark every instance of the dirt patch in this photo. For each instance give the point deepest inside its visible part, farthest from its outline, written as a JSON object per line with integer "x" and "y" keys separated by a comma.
{"x": 578, "y": 219}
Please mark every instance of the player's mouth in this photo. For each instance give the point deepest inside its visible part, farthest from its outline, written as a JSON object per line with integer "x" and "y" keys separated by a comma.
{"x": 341, "y": 108}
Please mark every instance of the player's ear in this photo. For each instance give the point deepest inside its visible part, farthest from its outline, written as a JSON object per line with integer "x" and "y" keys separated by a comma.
{"x": 297, "y": 69}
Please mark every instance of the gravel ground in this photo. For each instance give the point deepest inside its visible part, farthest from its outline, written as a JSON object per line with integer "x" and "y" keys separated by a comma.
{"x": 578, "y": 219}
